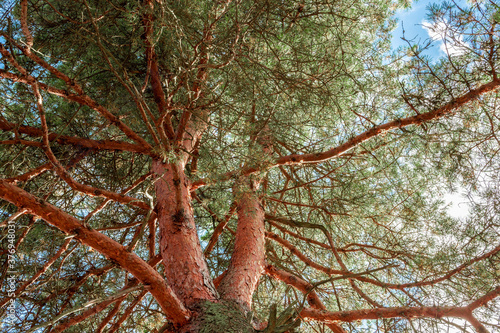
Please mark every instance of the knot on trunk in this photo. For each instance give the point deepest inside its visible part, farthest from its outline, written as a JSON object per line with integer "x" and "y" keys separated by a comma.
{"x": 180, "y": 220}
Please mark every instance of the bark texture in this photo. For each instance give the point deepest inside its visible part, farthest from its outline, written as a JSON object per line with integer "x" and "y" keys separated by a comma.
{"x": 146, "y": 274}
{"x": 185, "y": 267}
{"x": 219, "y": 317}
{"x": 248, "y": 260}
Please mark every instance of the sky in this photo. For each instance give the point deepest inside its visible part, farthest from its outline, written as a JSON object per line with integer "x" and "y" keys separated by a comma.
{"x": 411, "y": 21}
{"x": 417, "y": 27}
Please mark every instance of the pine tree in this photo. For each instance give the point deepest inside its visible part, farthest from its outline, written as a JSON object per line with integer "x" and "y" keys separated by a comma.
{"x": 243, "y": 166}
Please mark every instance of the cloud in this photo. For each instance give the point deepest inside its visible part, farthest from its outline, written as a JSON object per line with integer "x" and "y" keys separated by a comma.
{"x": 452, "y": 42}
{"x": 458, "y": 206}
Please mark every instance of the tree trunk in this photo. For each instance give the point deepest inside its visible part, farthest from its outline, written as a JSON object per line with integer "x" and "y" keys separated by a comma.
{"x": 248, "y": 259}
{"x": 185, "y": 267}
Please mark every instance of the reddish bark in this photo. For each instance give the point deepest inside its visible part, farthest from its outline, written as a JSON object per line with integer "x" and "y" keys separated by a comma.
{"x": 45, "y": 167}
{"x": 95, "y": 309}
{"x": 84, "y": 315}
{"x": 218, "y": 279}
{"x": 180, "y": 249}
{"x": 62, "y": 172}
{"x": 379, "y": 313}
{"x": 74, "y": 98}
{"x": 152, "y": 237}
{"x": 398, "y": 123}
{"x": 485, "y": 299}
{"x": 24, "y": 23}
{"x": 305, "y": 287}
{"x": 30, "y": 174}
{"x": 20, "y": 212}
{"x": 185, "y": 266}
{"x": 110, "y": 315}
{"x": 218, "y": 230}
{"x": 172, "y": 307}
{"x": 201, "y": 77}
{"x": 45, "y": 267}
{"x": 164, "y": 120}
{"x": 248, "y": 259}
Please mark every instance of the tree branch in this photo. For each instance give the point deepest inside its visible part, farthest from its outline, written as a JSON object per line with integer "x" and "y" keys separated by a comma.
{"x": 306, "y": 288}
{"x": 303, "y": 257}
{"x": 102, "y": 303}
{"x": 42, "y": 270}
{"x": 82, "y": 97}
{"x": 405, "y": 312}
{"x": 159, "y": 95}
{"x": 297, "y": 159}
{"x": 73, "y": 141}
{"x": 164, "y": 295}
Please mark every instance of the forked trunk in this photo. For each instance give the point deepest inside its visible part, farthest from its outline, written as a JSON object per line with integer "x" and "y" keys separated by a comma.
{"x": 185, "y": 268}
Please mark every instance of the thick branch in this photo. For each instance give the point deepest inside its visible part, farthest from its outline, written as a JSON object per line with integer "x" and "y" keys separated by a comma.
{"x": 61, "y": 171}
{"x": 485, "y": 299}
{"x": 169, "y": 302}
{"x": 201, "y": 77}
{"x": 159, "y": 95}
{"x": 380, "y": 313}
{"x": 185, "y": 266}
{"x": 248, "y": 258}
{"x": 82, "y": 97}
{"x": 24, "y": 23}
{"x": 380, "y": 129}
